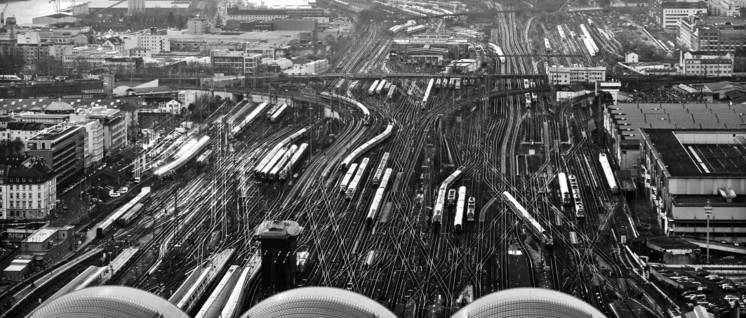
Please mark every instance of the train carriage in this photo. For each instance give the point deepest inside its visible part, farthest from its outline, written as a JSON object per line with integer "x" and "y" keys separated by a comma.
{"x": 460, "y": 205}
{"x": 564, "y": 190}
{"x": 608, "y": 173}
{"x": 471, "y": 209}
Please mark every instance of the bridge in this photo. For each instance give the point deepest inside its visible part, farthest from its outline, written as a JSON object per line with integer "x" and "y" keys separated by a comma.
{"x": 373, "y": 76}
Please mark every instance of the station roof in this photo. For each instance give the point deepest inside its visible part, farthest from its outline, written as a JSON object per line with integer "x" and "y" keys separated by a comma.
{"x": 108, "y": 301}
{"x": 717, "y": 153}
{"x": 318, "y": 302}
{"x": 528, "y": 302}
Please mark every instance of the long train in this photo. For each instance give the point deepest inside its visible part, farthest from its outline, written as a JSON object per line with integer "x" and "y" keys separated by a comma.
{"x": 106, "y": 226}
{"x": 352, "y": 188}
{"x": 499, "y": 52}
{"x": 182, "y": 157}
{"x": 274, "y": 151}
{"x": 367, "y": 146}
{"x": 237, "y": 129}
{"x": 608, "y": 173}
{"x": 357, "y": 104}
{"x": 440, "y": 201}
{"x": 578, "y": 199}
{"x": 521, "y": 212}
{"x": 378, "y": 198}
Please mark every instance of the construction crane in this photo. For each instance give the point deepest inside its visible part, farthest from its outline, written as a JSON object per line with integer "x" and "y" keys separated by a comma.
{"x": 2, "y": 14}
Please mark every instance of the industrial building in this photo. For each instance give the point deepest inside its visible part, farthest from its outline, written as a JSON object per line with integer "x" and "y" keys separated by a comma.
{"x": 693, "y": 175}
{"x": 622, "y": 123}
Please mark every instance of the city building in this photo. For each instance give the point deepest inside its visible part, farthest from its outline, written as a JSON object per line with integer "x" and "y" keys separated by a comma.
{"x": 656, "y": 8}
{"x": 672, "y": 12}
{"x": 696, "y": 34}
{"x": 63, "y": 148}
{"x": 31, "y": 190}
{"x": 623, "y": 121}
{"x": 196, "y": 26}
{"x": 686, "y": 170}
{"x": 234, "y": 62}
{"x": 28, "y": 190}
{"x": 94, "y": 142}
{"x": 562, "y": 75}
{"x": 114, "y": 125}
{"x": 708, "y": 64}
{"x": 726, "y": 7}
{"x": 21, "y": 130}
{"x": 155, "y": 43}
{"x": 49, "y": 244}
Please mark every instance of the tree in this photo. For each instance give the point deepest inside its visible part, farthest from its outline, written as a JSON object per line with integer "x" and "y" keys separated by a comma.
{"x": 11, "y": 62}
{"x": 170, "y": 20}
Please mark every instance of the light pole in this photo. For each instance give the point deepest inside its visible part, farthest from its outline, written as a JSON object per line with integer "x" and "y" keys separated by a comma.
{"x": 708, "y": 212}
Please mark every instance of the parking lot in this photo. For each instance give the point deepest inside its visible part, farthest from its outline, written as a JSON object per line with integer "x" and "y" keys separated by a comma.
{"x": 689, "y": 288}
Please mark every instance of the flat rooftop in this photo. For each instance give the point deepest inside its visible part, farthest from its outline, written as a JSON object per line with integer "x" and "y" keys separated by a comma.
{"x": 55, "y": 133}
{"x": 700, "y": 153}
{"x": 629, "y": 117}
{"x": 41, "y": 235}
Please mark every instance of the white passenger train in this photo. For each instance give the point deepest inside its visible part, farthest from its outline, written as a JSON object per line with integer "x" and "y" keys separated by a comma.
{"x": 440, "y": 201}
{"x": 608, "y": 173}
{"x": 367, "y": 146}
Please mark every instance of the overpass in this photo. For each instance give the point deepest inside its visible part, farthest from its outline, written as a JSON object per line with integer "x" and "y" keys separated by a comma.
{"x": 729, "y": 248}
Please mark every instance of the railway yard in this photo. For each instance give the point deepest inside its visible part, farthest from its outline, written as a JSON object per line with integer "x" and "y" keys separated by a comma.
{"x": 422, "y": 193}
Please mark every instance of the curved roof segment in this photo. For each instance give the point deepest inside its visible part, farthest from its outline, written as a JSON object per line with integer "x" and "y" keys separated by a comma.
{"x": 108, "y": 301}
{"x": 320, "y": 302}
{"x": 529, "y": 303}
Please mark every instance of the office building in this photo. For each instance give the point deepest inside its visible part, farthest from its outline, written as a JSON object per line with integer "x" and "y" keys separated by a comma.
{"x": 63, "y": 149}
{"x": 562, "y": 75}
{"x": 726, "y": 7}
{"x": 686, "y": 170}
{"x": 114, "y": 123}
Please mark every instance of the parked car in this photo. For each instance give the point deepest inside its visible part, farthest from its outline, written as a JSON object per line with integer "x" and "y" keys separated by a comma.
{"x": 123, "y": 190}
{"x": 114, "y": 194}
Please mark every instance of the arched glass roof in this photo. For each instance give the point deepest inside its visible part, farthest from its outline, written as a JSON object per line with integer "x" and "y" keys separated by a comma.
{"x": 529, "y": 303}
{"x": 109, "y": 302}
{"x": 321, "y": 302}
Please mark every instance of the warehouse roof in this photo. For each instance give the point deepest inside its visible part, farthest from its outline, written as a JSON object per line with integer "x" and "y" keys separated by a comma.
{"x": 699, "y": 153}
